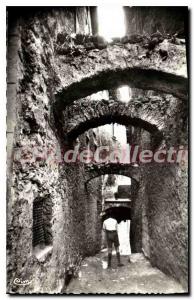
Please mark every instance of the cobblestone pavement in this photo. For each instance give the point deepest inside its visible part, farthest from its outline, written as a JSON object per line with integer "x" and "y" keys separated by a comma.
{"x": 135, "y": 277}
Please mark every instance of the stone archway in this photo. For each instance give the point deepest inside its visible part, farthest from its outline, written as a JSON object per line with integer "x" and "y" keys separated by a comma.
{"x": 50, "y": 77}
{"x": 95, "y": 170}
{"x": 125, "y": 63}
{"x": 84, "y": 115}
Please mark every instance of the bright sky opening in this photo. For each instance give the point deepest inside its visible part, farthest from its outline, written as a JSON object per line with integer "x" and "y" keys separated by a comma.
{"x": 125, "y": 93}
{"x": 111, "y": 22}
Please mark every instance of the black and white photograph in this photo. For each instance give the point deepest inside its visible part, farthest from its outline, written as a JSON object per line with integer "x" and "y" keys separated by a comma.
{"x": 97, "y": 129}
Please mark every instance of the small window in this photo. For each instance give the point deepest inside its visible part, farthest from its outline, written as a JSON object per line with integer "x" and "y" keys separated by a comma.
{"x": 42, "y": 214}
{"x": 38, "y": 224}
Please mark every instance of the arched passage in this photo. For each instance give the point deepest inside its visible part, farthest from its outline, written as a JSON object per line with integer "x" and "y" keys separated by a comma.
{"x": 90, "y": 114}
{"x": 95, "y": 170}
{"x": 45, "y": 73}
{"x": 122, "y": 64}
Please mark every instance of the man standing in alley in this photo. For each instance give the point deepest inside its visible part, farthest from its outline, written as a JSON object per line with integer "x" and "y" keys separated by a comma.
{"x": 110, "y": 227}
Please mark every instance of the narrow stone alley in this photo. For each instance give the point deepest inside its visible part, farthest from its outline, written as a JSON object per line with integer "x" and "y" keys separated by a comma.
{"x": 137, "y": 277}
{"x": 97, "y": 131}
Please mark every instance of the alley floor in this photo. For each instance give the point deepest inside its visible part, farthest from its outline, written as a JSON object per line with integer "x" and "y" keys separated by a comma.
{"x": 135, "y": 277}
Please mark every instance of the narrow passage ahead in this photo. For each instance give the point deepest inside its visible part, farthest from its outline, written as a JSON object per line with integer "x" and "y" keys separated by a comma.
{"x": 135, "y": 277}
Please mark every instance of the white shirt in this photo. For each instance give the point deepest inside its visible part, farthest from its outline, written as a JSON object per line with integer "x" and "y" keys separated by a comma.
{"x": 110, "y": 224}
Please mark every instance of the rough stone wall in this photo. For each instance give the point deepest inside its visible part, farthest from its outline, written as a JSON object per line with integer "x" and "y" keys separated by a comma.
{"x": 131, "y": 62}
{"x": 163, "y": 191}
{"x": 35, "y": 171}
{"x": 125, "y": 169}
{"x": 159, "y": 212}
{"x": 171, "y": 116}
{"x": 136, "y": 217}
{"x": 93, "y": 216}
{"x": 84, "y": 203}
{"x": 137, "y": 112}
{"x": 160, "y": 205}
{"x": 31, "y": 93}
{"x": 167, "y": 218}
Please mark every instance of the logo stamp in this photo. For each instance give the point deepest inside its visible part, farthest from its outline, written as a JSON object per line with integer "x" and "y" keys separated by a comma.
{"x": 19, "y": 281}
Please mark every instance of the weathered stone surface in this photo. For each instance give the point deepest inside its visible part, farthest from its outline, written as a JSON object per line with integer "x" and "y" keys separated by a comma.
{"x": 171, "y": 114}
{"x": 36, "y": 170}
{"x": 122, "y": 64}
{"x": 89, "y": 114}
{"x": 167, "y": 219}
{"x": 169, "y": 124}
{"x": 154, "y": 219}
{"x": 46, "y": 77}
{"x": 95, "y": 170}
